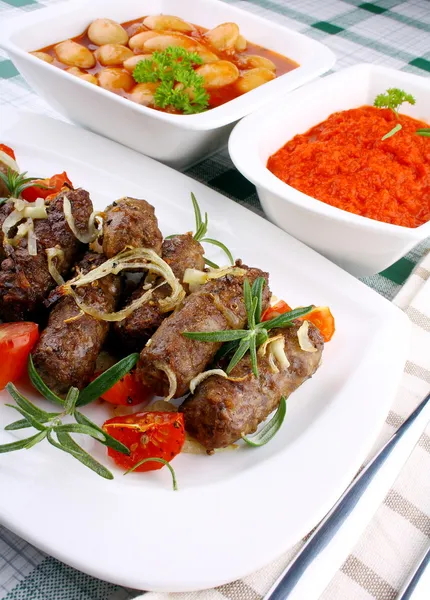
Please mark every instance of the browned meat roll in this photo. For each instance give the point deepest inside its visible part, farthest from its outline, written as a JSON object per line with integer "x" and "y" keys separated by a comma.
{"x": 180, "y": 252}
{"x": 221, "y": 410}
{"x": 5, "y": 210}
{"x": 25, "y": 280}
{"x": 218, "y": 305}
{"x": 67, "y": 350}
{"x": 130, "y": 222}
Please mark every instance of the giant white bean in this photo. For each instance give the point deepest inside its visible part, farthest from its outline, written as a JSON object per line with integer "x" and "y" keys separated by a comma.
{"x": 106, "y": 31}
{"x": 110, "y": 55}
{"x": 218, "y": 74}
{"x": 74, "y": 55}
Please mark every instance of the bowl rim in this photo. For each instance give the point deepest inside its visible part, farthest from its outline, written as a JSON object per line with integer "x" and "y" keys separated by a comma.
{"x": 322, "y": 60}
{"x": 243, "y": 152}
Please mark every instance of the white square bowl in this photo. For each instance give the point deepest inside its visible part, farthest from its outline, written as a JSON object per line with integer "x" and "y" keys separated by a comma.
{"x": 360, "y": 245}
{"x": 177, "y": 140}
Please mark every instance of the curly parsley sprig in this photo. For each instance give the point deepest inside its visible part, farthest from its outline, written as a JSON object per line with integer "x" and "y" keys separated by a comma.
{"x": 180, "y": 87}
{"x": 393, "y": 99}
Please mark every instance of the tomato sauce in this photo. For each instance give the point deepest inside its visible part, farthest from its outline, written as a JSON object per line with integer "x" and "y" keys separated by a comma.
{"x": 217, "y": 97}
{"x": 344, "y": 162}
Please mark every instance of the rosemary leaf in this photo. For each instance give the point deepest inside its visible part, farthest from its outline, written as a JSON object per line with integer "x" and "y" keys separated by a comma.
{"x": 37, "y": 438}
{"x": 33, "y": 422}
{"x": 220, "y": 245}
{"x": 216, "y": 336}
{"x": 197, "y": 211}
{"x": 160, "y": 460}
{"x": 106, "y": 380}
{"x": 257, "y": 292}
{"x": 424, "y": 132}
{"x": 253, "y": 354}
{"x": 79, "y": 428}
{"x": 67, "y": 444}
{"x": 249, "y": 305}
{"x": 284, "y": 319}
{"x": 267, "y": 432}
{"x": 40, "y": 385}
{"x": 21, "y": 424}
{"x": 71, "y": 399}
{"x": 209, "y": 263}
{"x": 109, "y": 441}
{"x": 238, "y": 355}
{"x": 19, "y": 444}
{"x": 28, "y": 406}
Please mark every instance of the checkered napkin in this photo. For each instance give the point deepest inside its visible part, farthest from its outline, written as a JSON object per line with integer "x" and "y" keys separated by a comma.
{"x": 398, "y": 535}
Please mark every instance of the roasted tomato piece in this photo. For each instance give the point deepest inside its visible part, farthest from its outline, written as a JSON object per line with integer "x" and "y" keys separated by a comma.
{"x": 51, "y": 187}
{"x": 128, "y": 391}
{"x": 147, "y": 435}
{"x": 277, "y": 309}
{"x": 16, "y": 343}
{"x": 320, "y": 316}
{"x": 7, "y": 150}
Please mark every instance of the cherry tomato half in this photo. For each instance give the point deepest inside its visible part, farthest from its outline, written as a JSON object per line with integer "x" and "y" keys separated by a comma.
{"x": 16, "y": 343}
{"x": 128, "y": 391}
{"x": 7, "y": 150}
{"x": 320, "y": 316}
{"x": 53, "y": 186}
{"x": 147, "y": 435}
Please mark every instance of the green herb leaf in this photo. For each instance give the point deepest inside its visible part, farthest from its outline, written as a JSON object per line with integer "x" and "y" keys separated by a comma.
{"x": 179, "y": 86}
{"x": 209, "y": 263}
{"x": 109, "y": 441}
{"x": 238, "y": 355}
{"x": 160, "y": 460}
{"x": 33, "y": 422}
{"x": 424, "y": 132}
{"x": 225, "y": 349}
{"x": 19, "y": 444}
{"x": 249, "y": 304}
{"x": 393, "y": 98}
{"x": 216, "y": 336}
{"x": 106, "y": 380}
{"x": 21, "y": 424}
{"x": 286, "y": 318}
{"x": 37, "y": 438}
{"x": 16, "y": 183}
{"x": 35, "y": 411}
{"x": 197, "y": 212}
{"x": 79, "y": 428}
{"x": 67, "y": 444}
{"x": 395, "y": 129}
{"x": 257, "y": 292}
{"x": 40, "y": 385}
{"x": 253, "y": 354}
{"x": 71, "y": 399}
{"x": 267, "y": 432}
{"x": 220, "y": 245}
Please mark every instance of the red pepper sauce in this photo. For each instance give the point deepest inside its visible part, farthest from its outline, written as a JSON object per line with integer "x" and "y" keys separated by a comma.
{"x": 217, "y": 97}
{"x": 344, "y": 162}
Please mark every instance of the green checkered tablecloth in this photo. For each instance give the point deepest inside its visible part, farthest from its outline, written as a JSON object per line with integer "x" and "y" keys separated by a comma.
{"x": 394, "y": 33}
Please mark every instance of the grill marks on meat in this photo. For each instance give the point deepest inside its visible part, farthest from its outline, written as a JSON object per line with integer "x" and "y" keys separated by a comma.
{"x": 218, "y": 305}
{"x": 67, "y": 351}
{"x": 180, "y": 252}
{"x": 130, "y": 222}
{"x": 25, "y": 280}
{"x": 221, "y": 410}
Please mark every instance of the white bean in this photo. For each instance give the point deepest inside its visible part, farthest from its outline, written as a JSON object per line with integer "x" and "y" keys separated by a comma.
{"x": 115, "y": 79}
{"x": 223, "y": 37}
{"x": 110, "y": 55}
{"x": 106, "y": 31}
{"x": 75, "y": 55}
{"x": 131, "y": 62}
{"x": 82, "y": 75}
{"x": 206, "y": 55}
{"x": 163, "y": 41}
{"x": 167, "y": 23}
{"x": 43, "y": 56}
{"x": 218, "y": 74}
{"x": 143, "y": 93}
{"x": 240, "y": 44}
{"x": 137, "y": 42}
{"x": 253, "y": 78}
{"x": 253, "y": 61}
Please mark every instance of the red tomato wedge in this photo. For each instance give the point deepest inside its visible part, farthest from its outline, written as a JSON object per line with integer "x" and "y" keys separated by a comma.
{"x": 16, "y": 343}
{"x": 127, "y": 391}
{"x": 320, "y": 316}
{"x": 53, "y": 186}
{"x": 7, "y": 150}
{"x": 147, "y": 435}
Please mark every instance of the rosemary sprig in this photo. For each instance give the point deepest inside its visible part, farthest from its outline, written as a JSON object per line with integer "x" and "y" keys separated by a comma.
{"x": 424, "y": 132}
{"x": 267, "y": 432}
{"x": 156, "y": 459}
{"x": 201, "y": 231}
{"x": 393, "y": 99}
{"x": 50, "y": 425}
{"x": 16, "y": 183}
{"x": 243, "y": 340}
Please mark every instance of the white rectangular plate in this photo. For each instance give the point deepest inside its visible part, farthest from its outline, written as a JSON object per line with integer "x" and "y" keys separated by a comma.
{"x": 237, "y": 510}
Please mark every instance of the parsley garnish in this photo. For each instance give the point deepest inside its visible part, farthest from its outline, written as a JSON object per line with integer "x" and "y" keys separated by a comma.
{"x": 393, "y": 99}
{"x": 179, "y": 85}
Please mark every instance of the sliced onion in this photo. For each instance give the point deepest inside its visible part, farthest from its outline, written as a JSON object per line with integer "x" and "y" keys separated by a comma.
{"x": 304, "y": 340}
{"x": 11, "y": 220}
{"x": 31, "y": 240}
{"x": 140, "y": 258}
{"x": 171, "y": 376}
{"x": 36, "y": 212}
{"x": 92, "y": 231}
{"x": 202, "y": 376}
{"x": 52, "y": 254}
{"x": 276, "y": 348}
{"x": 9, "y": 161}
{"x": 196, "y": 278}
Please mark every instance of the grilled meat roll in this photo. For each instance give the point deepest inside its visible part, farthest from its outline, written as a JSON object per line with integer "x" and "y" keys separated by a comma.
{"x": 180, "y": 252}
{"x": 218, "y": 305}
{"x": 67, "y": 350}
{"x": 5, "y": 210}
{"x": 130, "y": 222}
{"x": 25, "y": 280}
{"x": 221, "y": 410}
